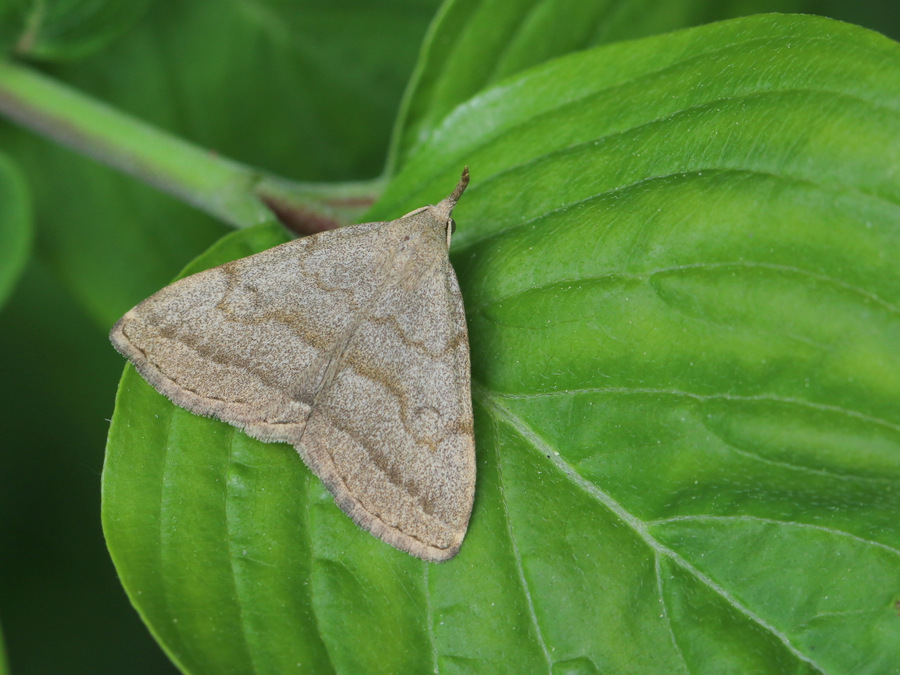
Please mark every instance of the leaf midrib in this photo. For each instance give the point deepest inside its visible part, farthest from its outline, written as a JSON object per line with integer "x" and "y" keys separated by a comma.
{"x": 639, "y": 391}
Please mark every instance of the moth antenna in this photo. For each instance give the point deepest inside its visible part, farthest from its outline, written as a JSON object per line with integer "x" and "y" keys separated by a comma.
{"x": 445, "y": 208}
{"x": 460, "y": 187}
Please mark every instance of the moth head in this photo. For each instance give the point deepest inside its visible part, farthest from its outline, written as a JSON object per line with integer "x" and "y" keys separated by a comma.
{"x": 441, "y": 211}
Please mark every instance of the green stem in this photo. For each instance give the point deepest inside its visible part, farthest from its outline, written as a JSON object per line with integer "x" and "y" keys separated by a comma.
{"x": 235, "y": 193}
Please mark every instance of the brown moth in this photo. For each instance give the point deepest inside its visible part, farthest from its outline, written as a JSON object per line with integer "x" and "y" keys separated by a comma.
{"x": 351, "y": 345}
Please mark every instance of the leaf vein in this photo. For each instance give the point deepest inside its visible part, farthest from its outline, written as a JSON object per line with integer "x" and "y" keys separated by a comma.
{"x": 429, "y": 620}
{"x": 637, "y": 391}
{"x": 313, "y": 612}
{"x": 665, "y": 611}
{"x": 891, "y": 308}
{"x": 517, "y": 557}
{"x": 783, "y": 523}
{"x": 232, "y": 556}
{"x": 464, "y": 243}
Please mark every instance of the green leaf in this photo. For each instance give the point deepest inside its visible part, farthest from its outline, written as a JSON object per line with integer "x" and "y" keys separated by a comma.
{"x": 4, "y": 668}
{"x": 678, "y": 261}
{"x": 60, "y": 30}
{"x": 514, "y": 35}
{"x": 15, "y": 226}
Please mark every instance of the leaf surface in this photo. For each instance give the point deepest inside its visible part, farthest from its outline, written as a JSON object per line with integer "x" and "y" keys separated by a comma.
{"x": 15, "y": 226}
{"x": 677, "y": 257}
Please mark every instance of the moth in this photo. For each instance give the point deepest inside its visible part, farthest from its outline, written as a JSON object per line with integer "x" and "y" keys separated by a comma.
{"x": 351, "y": 345}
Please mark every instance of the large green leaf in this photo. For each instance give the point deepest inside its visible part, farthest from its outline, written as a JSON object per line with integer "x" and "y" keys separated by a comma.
{"x": 678, "y": 260}
{"x": 15, "y": 226}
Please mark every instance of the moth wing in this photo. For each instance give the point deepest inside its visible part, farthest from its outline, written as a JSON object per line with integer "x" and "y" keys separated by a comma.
{"x": 249, "y": 342}
{"x": 391, "y": 435}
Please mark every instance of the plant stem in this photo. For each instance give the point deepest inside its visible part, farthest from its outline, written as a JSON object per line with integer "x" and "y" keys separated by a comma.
{"x": 230, "y": 191}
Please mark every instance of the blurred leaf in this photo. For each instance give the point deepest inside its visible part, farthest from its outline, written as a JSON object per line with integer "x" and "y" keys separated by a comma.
{"x": 58, "y": 377}
{"x": 302, "y": 89}
{"x": 513, "y": 35}
{"x": 60, "y": 30}
{"x": 4, "y": 669}
{"x": 678, "y": 259}
{"x": 15, "y": 226}
{"x": 880, "y": 15}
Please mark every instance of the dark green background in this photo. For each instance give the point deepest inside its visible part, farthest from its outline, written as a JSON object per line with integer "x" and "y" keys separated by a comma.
{"x": 313, "y": 113}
